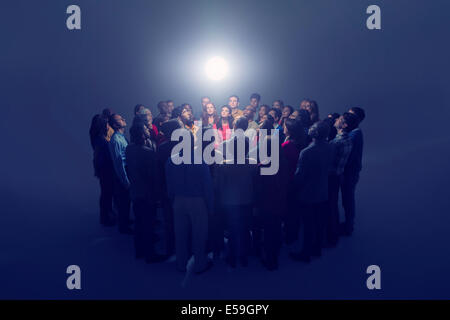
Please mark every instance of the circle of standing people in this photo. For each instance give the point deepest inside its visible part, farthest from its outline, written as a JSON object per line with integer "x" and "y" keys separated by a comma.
{"x": 229, "y": 209}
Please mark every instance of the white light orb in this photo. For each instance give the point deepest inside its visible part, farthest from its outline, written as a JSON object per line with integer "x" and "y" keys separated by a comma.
{"x": 216, "y": 68}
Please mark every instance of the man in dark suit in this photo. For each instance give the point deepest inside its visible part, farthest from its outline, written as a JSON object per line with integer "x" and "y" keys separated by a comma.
{"x": 311, "y": 181}
{"x": 351, "y": 173}
{"x": 142, "y": 174}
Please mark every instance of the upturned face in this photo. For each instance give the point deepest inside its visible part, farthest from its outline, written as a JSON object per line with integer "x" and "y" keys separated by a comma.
{"x": 254, "y": 102}
{"x": 119, "y": 121}
{"x": 224, "y": 113}
{"x": 233, "y": 102}
{"x": 276, "y": 104}
{"x": 210, "y": 109}
{"x": 286, "y": 112}
{"x": 205, "y": 102}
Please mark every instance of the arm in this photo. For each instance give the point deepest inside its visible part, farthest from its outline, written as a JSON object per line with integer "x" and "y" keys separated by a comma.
{"x": 118, "y": 159}
{"x": 152, "y": 172}
{"x": 169, "y": 178}
{"x": 208, "y": 187}
{"x": 302, "y": 169}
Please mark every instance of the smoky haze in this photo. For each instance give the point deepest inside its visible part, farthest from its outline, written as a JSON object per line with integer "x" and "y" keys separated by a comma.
{"x": 54, "y": 80}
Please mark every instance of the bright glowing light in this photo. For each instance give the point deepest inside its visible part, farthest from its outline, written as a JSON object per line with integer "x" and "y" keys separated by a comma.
{"x": 216, "y": 68}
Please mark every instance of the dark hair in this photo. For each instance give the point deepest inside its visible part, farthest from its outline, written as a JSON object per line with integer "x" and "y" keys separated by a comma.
{"x": 136, "y": 132}
{"x": 137, "y": 107}
{"x": 296, "y": 131}
{"x": 314, "y": 111}
{"x": 360, "y": 113}
{"x": 186, "y": 106}
{"x": 161, "y": 106}
{"x": 333, "y": 131}
{"x": 277, "y": 112}
{"x": 229, "y": 118}
{"x": 333, "y": 116}
{"x": 106, "y": 113}
{"x": 304, "y": 100}
{"x": 241, "y": 123}
{"x": 234, "y": 95}
{"x": 140, "y": 118}
{"x": 268, "y": 123}
{"x": 319, "y": 130}
{"x": 168, "y": 127}
{"x": 290, "y": 108}
{"x": 169, "y": 101}
{"x": 280, "y": 102}
{"x": 351, "y": 120}
{"x": 265, "y": 106}
{"x": 255, "y": 96}
{"x": 304, "y": 117}
{"x": 205, "y": 115}
{"x": 177, "y": 112}
{"x": 99, "y": 127}
{"x": 112, "y": 121}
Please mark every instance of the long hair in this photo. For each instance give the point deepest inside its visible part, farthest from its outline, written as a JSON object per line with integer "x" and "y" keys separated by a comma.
{"x": 258, "y": 119}
{"x": 296, "y": 132}
{"x": 99, "y": 127}
{"x": 314, "y": 107}
{"x": 229, "y": 118}
{"x": 205, "y": 115}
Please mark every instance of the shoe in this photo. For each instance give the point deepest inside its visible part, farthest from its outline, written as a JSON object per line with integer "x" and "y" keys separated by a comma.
{"x": 316, "y": 253}
{"x": 156, "y": 258}
{"x": 231, "y": 262}
{"x": 345, "y": 233}
{"x": 208, "y": 266}
{"x": 155, "y": 237}
{"x": 139, "y": 256}
{"x": 126, "y": 231}
{"x": 330, "y": 244}
{"x": 109, "y": 223}
{"x": 344, "y": 230}
{"x": 270, "y": 266}
{"x": 300, "y": 257}
{"x": 243, "y": 261}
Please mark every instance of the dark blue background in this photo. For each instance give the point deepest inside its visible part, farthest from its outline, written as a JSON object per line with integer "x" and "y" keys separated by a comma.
{"x": 53, "y": 80}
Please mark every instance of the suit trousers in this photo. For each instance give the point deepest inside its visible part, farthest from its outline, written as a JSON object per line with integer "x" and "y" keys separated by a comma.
{"x": 123, "y": 202}
{"x": 145, "y": 215}
{"x": 313, "y": 218}
{"x": 190, "y": 222}
{"x": 348, "y": 187}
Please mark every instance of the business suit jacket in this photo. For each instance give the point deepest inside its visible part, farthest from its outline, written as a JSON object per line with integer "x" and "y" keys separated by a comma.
{"x": 311, "y": 175}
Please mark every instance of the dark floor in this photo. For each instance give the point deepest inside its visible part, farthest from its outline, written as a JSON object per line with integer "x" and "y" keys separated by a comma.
{"x": 402, "y": 226}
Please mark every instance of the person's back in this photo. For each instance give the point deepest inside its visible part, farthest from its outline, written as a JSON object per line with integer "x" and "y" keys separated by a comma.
{"x": 189, "y": 186}
{"x": 312, "y": 172}
{"x": 351, "y": 172}
{"x": 291, "y": 151}
{"x": 235, "y": 183}
{"x": 117, "y": 149}
{"x": 189, "y": 180}
{"x": 354, "y": 162}
{"x": 102, "y": 157}
{"x": 311, "y": 179}
{"x": 141, "y": 170}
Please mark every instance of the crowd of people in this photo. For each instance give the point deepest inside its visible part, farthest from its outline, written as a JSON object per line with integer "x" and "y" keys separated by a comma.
{"x": 229, "y": 209}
